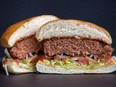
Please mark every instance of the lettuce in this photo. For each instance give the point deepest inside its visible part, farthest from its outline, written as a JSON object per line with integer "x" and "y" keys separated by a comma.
{"x": 71, "y": 64}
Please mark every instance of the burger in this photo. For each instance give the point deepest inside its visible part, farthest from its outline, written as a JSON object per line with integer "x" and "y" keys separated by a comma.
{"x": 75, "y": 47}
{"x": 21, "y": 46}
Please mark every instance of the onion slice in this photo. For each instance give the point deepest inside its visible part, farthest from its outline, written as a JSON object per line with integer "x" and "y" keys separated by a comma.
{"x": 7, "y": 52}
{"x": 74, "y": 58}
{"x": 5, "y": 66}
{"x": 29, "y": 55}
{"x": 61, "y": 56}
{"x": 6, "y": 69}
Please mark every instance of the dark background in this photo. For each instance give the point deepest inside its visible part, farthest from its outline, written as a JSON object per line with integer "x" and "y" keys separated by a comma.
{"x": 100, "y": 12}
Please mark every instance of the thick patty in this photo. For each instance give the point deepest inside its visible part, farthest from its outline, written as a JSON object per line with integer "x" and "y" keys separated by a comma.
{"x": 25, "y": 46}
{"x": 76, "y": 47}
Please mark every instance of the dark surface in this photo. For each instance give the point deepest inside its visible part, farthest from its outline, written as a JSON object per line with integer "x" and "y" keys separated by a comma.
{"x": 44, "y": 80}
{"x": 100, "y": 12}
{"x": 53, "y": 80}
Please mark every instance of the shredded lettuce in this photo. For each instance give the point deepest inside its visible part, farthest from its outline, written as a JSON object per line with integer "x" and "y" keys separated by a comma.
{"x": 71, "y": 64}
{"x": 27, "y": 61}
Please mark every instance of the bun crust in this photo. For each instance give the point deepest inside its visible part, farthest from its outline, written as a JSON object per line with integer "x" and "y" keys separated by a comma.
{"x": 10, "y": 30}
{"x": 47, "y": 69}
{"x": 60, "y": 28}
{"x": 24, "y": 28}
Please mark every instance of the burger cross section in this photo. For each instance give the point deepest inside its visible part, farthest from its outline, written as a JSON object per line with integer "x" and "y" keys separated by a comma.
{"x": 53, "y": 45}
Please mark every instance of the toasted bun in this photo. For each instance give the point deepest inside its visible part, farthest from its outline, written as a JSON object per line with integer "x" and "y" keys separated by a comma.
{"x": 16, "y": 68}
{"x": 47, "y": 69}
{"x": 77, "y": 28}
{"x": 23, "y": 29}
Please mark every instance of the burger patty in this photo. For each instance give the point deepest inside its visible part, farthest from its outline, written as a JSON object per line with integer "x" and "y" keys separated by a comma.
{"x": 25, "y": 46}
{"x": 76, "y": 47}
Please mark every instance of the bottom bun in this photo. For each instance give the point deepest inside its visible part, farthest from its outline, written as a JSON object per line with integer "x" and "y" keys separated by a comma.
{"x": 47, "y": 69}
{"x": 14, "y": 67}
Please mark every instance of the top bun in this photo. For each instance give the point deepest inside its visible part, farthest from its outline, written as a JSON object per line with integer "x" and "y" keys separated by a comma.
{"x": 23, "y": 29}
{"x": 76, "y": 28}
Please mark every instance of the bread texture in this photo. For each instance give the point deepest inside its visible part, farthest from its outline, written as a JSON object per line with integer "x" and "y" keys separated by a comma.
{"x": 76, "y": 28}
{"x": 17, "y": 68}
{"x": 47, "y": 69}
{"x": 23, "y": 29}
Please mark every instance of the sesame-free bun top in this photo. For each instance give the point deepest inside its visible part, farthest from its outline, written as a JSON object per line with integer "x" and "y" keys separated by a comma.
{"x": 73, "y": 28}
{"x": 23, "y": 29}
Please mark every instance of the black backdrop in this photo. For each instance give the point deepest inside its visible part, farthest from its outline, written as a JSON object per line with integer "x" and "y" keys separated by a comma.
{"x": 100, "y": 12}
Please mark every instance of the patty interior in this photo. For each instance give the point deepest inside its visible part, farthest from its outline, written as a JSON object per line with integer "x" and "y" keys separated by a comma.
{"x": 25, "y": 46}
{"x": 76, "y": 47}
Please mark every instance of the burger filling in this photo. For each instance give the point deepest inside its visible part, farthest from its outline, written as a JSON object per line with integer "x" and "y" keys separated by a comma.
{"x": 25, "y": 51}
{"x": 71, "y": 53}
{"x": 25, "y": 48}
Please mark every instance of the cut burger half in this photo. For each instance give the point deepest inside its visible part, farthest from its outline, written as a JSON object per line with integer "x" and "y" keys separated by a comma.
{"x": 21, "y": 46}
{"x": 75, "y": 47}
